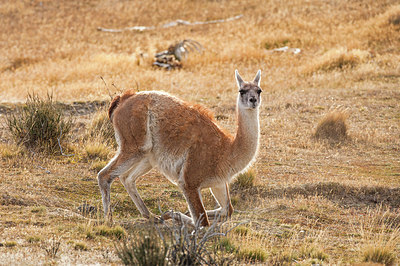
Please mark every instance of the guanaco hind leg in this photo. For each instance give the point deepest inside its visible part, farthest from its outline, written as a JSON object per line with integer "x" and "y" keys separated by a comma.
{"x": 129, "y": 182}
{"x": 120, "y": 166}
{"x": 221, "y": 195}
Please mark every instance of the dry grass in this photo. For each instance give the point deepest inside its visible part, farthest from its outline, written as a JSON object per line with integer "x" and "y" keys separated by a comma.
{"x": 333, "y": 127}
{"x": 337, "y": 58}
{"x": 309, "y": 198}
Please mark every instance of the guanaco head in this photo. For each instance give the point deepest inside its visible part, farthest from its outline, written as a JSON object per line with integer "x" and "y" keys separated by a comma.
{"x": 249, "y": 92}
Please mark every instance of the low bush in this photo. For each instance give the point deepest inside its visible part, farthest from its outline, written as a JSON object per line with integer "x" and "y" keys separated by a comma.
{"x": 40, "y": 124}
{"x": 178, "y": 244}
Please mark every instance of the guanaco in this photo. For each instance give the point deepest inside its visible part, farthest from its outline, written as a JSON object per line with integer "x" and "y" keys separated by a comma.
{"x": 182, "y": 140}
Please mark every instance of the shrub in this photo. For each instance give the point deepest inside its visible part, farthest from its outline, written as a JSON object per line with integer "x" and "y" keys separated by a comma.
{"x": 332, "y": 127}
{"x": 39, "y": 124}
{"x": 178, "y": 244}
{"x": 142, "y": 249}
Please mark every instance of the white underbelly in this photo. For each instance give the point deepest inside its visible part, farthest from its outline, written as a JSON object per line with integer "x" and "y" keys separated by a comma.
{"x": 170, "y": 166}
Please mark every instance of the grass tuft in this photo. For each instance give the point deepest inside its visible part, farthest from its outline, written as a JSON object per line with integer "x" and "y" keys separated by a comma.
{"x": 81, "y": 246}
{"x": 52, "y": 247}
{"x": 102, "y": 128}
{"x": 40, "y": 124}
{"x": 10, "y": 244}
{"x": 33, "y": 239}
{"x": 9, "y": 151}
{"x": 246, "y": 179}
{"x": 332, "y": 127}
{"x": 252, "y": 255}
{"x": 96, "y": 150}
{"x": 382, "y": 255}
{"x": 226, "y": 245}
{"x": 117, "y": 232}
{"x": 337, "y": 59}
{"x": 242, "y": 230}
{"x": 98, "y": 165}
{"x": 313, "y": 253}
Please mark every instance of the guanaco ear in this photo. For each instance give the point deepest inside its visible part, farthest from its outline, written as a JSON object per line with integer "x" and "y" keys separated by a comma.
{"x": 257, "y": 79}
{"x": 239, "y": 80}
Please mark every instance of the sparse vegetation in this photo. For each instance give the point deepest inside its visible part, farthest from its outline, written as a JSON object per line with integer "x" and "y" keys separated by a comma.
{"x": 52, "y": 246}
{"x": 98, "y": 165}
{"x": 349, "y": 60}
{"x": 40, "y": 124}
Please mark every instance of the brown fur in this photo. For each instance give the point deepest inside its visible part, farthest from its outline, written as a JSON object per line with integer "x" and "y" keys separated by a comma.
{"x": 117, "y": 100}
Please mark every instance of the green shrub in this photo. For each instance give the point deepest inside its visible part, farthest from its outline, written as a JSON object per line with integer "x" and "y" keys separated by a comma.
{"x": 39, "y": 124}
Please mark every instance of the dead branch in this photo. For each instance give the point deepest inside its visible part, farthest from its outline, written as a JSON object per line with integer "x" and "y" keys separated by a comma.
{"x": 169, "y": 25}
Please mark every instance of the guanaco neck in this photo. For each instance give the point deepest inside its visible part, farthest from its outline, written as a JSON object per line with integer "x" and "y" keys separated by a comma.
{"x": 244, "y": 146}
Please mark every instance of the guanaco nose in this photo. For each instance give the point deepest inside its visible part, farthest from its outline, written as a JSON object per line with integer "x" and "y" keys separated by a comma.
{"x": 253, "y": 100}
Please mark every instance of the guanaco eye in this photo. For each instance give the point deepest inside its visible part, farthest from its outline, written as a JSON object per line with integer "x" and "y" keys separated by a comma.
{"x": 259, "y": 91}
{"x": 242, "y": 92}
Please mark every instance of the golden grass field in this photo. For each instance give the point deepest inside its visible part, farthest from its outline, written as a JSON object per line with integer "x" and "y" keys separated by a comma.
{"x": 312, "y": 201}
